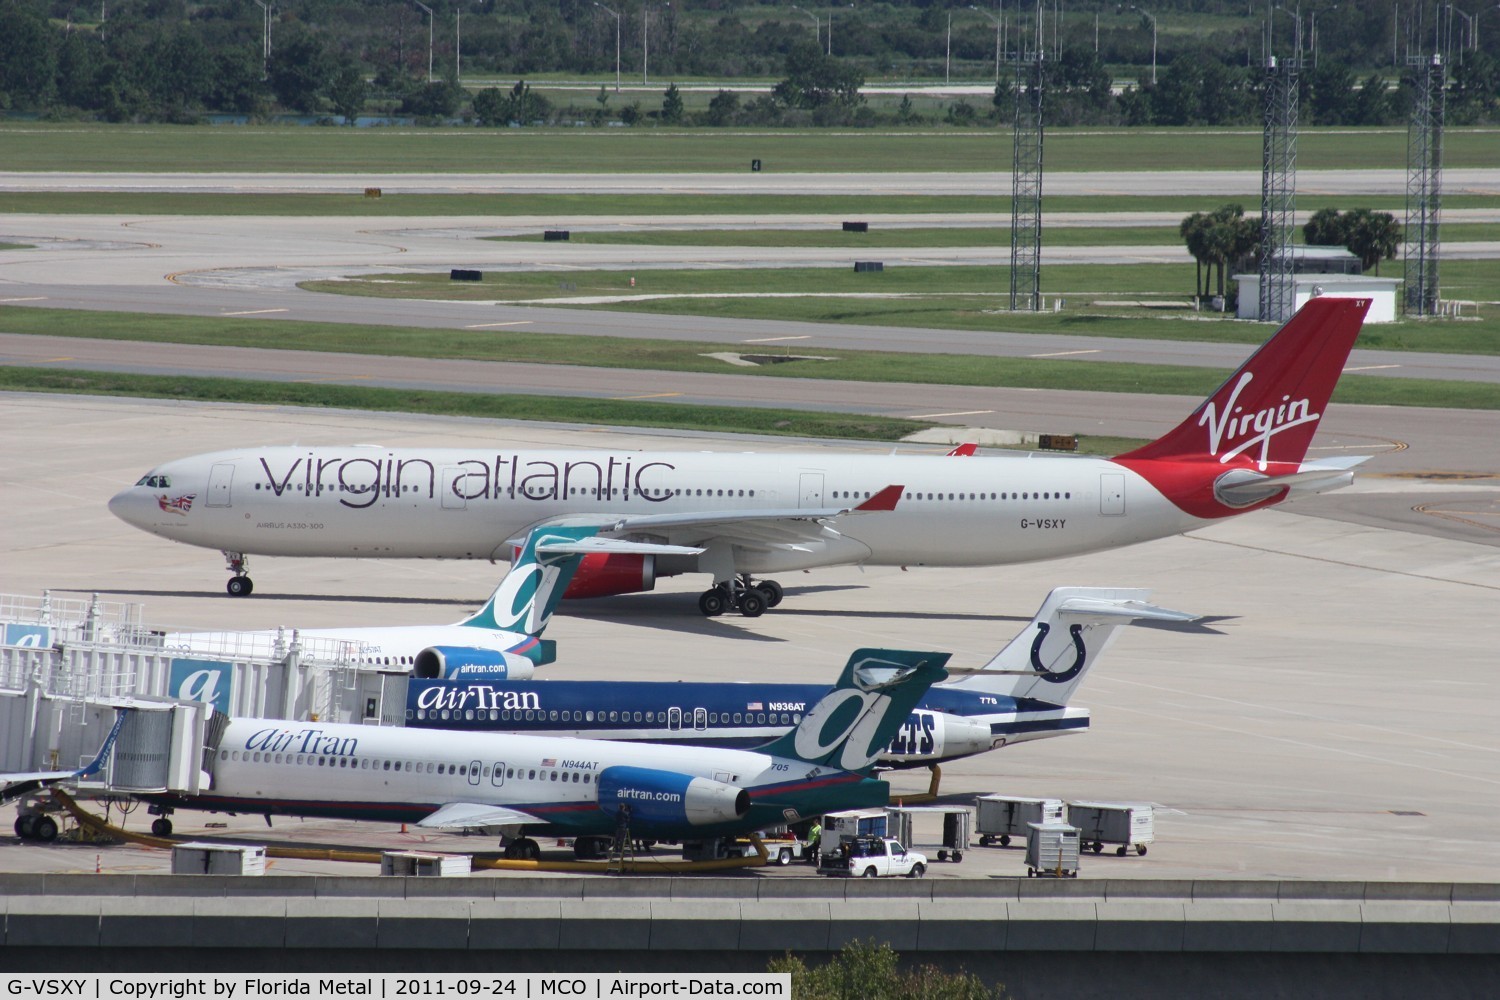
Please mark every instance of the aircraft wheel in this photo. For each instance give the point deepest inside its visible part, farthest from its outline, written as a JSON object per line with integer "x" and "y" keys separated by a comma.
{"x": 752, "y": 604}
{"x": 917, "y": 871}
{"x": 239, "y": 586}
{"x": 26, "y": 826}
{"x": 45, "y": 829}
{"x": 711, "y": 602}
{"x": 161, "y": 827}
{"x": 589, "y": 848}
{"x": 530, "y": 849}
{"x": 513, "y": 851}
{"x": 772, "y": 591}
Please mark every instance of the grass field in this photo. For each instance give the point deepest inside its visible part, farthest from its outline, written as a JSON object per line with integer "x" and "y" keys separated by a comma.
{"x": 394, "y": 205}
{"x": 961, "y": 297}
{"x": 954, "y": 236}
{"x": 114, "y": 148}
{"x": 665, "y": 355}
{"x": 562, "y": 409}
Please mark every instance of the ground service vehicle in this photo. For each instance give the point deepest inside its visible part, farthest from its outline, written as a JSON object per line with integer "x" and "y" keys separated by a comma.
{"x": 873, "y": 857}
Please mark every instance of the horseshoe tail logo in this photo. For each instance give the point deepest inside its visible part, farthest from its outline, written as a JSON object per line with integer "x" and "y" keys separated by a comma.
{"x": 1058, "y": 677}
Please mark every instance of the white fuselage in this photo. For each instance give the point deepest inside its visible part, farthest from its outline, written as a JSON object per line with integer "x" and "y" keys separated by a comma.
{"x": 467, "y": 503}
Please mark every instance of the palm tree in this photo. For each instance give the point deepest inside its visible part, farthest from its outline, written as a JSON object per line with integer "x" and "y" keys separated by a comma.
{"x": 1193, "y": 231}
{"x": 1372, "y": 236}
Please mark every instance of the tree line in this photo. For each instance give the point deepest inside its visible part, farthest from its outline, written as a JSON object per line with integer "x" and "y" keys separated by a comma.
{"x": 170, "y": 60}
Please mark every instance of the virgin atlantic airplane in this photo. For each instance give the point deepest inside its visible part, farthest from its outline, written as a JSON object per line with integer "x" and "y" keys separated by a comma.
{"x": 1242, "y": 449}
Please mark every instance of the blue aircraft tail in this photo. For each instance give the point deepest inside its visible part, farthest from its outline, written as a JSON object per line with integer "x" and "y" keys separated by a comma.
{"x": 855, "y": 721}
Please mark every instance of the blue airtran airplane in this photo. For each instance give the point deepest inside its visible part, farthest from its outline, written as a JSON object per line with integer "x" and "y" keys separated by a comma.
{"x": 1021, "y": 694}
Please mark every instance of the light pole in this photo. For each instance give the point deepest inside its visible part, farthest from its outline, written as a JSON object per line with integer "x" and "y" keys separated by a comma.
{"x": 1469, "y": 22}
{"x": 948, "y": 51}
{"x": 817, "y": 25}
{"x": 1153, "y": 42}
{"x": 617, "y": 41}
{"x": 265, "y": 39}
{"x": 997, "y": 21}
{"x": 458, "y": 46}
{"x": 1312, "y": 30}
{"x": 428, "y": 9}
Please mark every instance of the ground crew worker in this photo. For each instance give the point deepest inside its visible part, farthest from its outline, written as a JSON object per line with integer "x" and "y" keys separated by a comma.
{"x": 814, "y": 842}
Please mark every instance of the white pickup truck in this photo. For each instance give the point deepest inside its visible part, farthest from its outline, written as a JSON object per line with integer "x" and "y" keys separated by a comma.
{"x": 873, "y": 857}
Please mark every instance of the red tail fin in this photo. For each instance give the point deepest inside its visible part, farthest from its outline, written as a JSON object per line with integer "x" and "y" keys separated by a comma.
{"x": 1268, "y": 411}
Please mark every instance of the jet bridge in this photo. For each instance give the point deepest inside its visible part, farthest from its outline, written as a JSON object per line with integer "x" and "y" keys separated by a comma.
{"x": 163, "y": 746}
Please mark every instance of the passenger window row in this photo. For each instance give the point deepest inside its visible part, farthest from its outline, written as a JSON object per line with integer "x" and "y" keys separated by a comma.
{"x": 565, "y": 715}
{"x": 404, "y": 766}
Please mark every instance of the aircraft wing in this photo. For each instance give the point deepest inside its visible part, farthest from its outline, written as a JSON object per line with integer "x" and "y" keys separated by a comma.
{"x": 791, "y": 526}
{"x": 15, "y": 785}
{"x": 596, "y": 544}
{"x": 457, "y": 815}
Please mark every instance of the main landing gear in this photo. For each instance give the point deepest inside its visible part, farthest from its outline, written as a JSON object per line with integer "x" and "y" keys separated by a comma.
{"x": 740, "y": 594}
{"x": 239, "y": 585}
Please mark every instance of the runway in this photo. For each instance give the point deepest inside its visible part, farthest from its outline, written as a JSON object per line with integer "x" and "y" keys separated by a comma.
{"x": 1215, "y": 183}
{"x": 1334, "y": 721}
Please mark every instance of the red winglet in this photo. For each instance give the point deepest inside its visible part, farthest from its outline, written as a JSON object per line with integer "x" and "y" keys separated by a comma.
{"x": 964, "y": 450}
{"x": 884, "y": 500}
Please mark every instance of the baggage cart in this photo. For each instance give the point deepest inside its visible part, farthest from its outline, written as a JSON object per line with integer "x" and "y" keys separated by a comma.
{"x": 424, "y": 863}
{"x": 218, "y": 859}
{"x": 1126, "y": 824}
{"x": 1051, "y": 850}
{"x": 1001, "y": 817}
{"x": 841, "y": 826}
{"x": 958, "y": 829}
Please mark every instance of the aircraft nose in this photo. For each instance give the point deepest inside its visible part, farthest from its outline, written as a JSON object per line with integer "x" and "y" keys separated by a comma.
{"x": 126, "y": 506}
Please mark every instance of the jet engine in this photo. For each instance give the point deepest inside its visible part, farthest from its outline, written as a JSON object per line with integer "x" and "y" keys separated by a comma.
{"x": 605, "y": 574}
{"x": 468, "y": 663}
{"x": 669, "y": 798}
{"x": 932, "y": 737}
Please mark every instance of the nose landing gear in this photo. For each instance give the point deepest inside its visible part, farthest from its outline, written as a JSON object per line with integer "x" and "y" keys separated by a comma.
{"x": 240, "y": 585}
{"x": 741, "y": 594}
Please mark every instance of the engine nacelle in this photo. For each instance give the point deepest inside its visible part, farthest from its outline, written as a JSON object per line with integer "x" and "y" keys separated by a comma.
{"x": 929, "y": 737}
{"x": 469, "y": 663}
{"x": 605, "y": 574}
{"x": 669, "y": 797}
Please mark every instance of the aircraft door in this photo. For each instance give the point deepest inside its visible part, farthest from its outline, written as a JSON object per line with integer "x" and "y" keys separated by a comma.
{"x": 498, "y": 778}
{"x": 674, "y": 719}
{"x": 811, "y": 490}
{"x": 700, "y": 719}
{"x": 219, "y": 479}
{"x": 452, "y": 487}
{"x": 474, "y": 771}
{"x": 1111, "y": 494}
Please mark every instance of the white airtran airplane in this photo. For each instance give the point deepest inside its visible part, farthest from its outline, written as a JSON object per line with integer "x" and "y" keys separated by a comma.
{"x": 537, "y": 785}
{"x": 500, "y": 641}
{"x": 1243, "y": 448}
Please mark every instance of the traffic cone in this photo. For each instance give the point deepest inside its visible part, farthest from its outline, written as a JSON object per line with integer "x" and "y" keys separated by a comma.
{"x": 98, "y": 866}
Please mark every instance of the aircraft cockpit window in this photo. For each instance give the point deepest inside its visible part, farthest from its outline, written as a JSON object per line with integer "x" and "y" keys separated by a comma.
{"x": 156, "y": 482}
